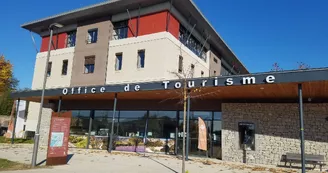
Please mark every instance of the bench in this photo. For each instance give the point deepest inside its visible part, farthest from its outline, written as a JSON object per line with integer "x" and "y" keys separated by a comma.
{"x": 309, "y": 159}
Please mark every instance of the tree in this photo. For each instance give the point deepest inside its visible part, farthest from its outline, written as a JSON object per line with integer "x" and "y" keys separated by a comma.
{"x": 6, "y": 74}
{"x": 303, "y": 66}
{"x": 7, "y": 84}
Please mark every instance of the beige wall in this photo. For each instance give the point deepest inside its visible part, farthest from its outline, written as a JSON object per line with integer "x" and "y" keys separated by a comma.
{"x": 56, "y": 79}
{"x": 214, "y": 66}
{"x": 98, "y": 49}
{"x": 162, "y": 52}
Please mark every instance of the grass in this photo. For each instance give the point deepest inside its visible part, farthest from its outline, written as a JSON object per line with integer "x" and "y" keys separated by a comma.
{"x": 16, "y": 141}
{"x": 6, "y": 165}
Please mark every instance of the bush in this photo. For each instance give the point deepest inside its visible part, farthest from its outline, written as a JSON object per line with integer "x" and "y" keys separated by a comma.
{"x": 16, "y": 140}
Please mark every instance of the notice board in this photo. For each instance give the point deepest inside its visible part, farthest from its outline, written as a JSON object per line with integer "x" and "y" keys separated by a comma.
{"x": 58, "y": 138}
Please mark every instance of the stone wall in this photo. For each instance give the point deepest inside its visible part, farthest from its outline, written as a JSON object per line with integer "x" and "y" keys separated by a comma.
{"x": 277, "y": 131}
{"x": 45, "y": 123}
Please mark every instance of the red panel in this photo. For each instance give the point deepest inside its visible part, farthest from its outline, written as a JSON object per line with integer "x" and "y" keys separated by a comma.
{"x": 174, "y": 26}
{"x": 132, "y": 27}
{"x": 149, "y": 24}
{"x": 60, "y": 44}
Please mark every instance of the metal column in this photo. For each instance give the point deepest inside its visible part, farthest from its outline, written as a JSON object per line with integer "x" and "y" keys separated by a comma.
{"x": 59, "y": 105}
{"x": 188, "y": 122}
{"x": 15, "y": 121}
{"x": 300, "y": 97}
{"x": 112, "y": 130}
{"x": 92, "y": 113}
{"x": 37, "y": 131}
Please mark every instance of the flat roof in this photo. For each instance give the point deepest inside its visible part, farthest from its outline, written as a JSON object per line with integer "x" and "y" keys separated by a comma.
{"x": 185, "y": 7}
{"x": 269, "y": 85}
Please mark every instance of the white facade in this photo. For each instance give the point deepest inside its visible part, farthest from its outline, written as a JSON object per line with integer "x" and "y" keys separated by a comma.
{"x": 162, "y": 51}
{"x": 55, "y": 80}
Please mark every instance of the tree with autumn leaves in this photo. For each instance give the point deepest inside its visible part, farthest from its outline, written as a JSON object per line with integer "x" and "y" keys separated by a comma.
{"x": 7, "y": 84}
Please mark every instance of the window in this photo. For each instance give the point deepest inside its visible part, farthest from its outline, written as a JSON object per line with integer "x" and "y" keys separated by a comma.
{"x": 246, "y": 135}
{"x": 141, "y": 58}
{"x": 118, "y": 63}
{"x": 192, "y": 70}
{"x": 49, "y": 69}
{"x": 180, "y": 64}
{"x": 92, "y": 36}
{"x": 202, "y": 74}
{"x": 192, "y": 43}
{"x": 120, "y": 30}
{"x": 215, "y": 60}
{"x": 64, "y": 67}
{"x": 214, "y": 73}
{"x": 71, "y": 39}
{"x": 89, "y": 64}
{"x": 225, "y": 71}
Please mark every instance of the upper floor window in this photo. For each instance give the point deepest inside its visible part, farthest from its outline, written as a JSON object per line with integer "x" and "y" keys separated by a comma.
{"x": 192, "y": 70}
{"x": 118, "y": 63}
{"x": 120, "y": 30}
{"x": 89, "y": 64}
{"x": 92, "y": 35}
{"x": 141, "y": 58}
{"x": 225, "y": 71}
{"x": 192, "y": 43}
{"x": 64, "y": 67}
{"x": 49, "y": 69}
{"x": 180, "y": 69}
{"x": 71, "y": 39}
{"x": 215, "y": 60}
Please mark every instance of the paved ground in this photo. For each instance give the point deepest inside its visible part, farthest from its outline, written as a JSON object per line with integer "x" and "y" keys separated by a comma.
{"x": 86, "y": 161}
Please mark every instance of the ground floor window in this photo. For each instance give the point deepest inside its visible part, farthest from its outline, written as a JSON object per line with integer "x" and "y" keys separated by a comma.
{"x": 144, "y": 131}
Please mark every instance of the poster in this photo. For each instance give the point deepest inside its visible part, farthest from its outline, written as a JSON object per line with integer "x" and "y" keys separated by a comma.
{"x": 57, "y": 139}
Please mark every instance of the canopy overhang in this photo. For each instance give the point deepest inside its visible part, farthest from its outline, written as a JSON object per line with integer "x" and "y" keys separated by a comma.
{"x": 271, "y": 86}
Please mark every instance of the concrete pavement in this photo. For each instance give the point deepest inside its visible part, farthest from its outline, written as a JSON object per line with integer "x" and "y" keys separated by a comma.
{"x": 86, "y": 161}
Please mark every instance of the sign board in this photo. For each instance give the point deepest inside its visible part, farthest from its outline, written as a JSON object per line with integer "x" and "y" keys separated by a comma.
{"x": 58, "y": 138}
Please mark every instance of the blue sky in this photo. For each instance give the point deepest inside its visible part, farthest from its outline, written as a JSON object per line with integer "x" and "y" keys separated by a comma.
{"x": 260, "y": 32}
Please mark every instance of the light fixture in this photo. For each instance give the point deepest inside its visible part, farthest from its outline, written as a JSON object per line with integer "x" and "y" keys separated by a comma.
{"x": 58, "y": 25}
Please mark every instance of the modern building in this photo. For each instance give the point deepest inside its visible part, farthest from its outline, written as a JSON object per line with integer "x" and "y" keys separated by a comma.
{"x": 139, "y": 54}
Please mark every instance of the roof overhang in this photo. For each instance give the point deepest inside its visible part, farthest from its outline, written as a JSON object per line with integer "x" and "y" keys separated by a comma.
{"x": 186, "y": 7}
{"x": 271, "y": 85}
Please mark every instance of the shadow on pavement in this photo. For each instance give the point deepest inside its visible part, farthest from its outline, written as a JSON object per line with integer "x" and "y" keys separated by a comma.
{"x": 69, "y": 157}
{"x": 163, "y": 165}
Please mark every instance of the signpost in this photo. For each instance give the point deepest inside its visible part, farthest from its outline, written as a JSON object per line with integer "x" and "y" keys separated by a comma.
{"x": 58, "y": 138}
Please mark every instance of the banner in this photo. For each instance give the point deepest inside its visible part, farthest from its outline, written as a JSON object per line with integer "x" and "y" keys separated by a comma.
{"x": 202, "y": 135}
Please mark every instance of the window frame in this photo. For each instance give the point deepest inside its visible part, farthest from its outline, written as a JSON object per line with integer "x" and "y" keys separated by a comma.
{"x": 71, "y": 39}
{"x": 89, "y": 65}
{"x": 180, "y": 68}
{"x": 64, "y": 67}
{"x": 93, "y": 34}
{"x": 118, "y": 62}
{"x": 49, "y": 69}
{"x": 141, "y": 65}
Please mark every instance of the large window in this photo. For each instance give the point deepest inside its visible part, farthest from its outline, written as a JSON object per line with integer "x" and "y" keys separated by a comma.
{"x": 162, "y": 124}
{"x": 120, "y": 30}
{"x": 132, "y": 123}
{"x": 71, "y": 39}
{"x": 102, "y": 122}
{"x": 192, "y": 43}
{"x": 80, "y": 122}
